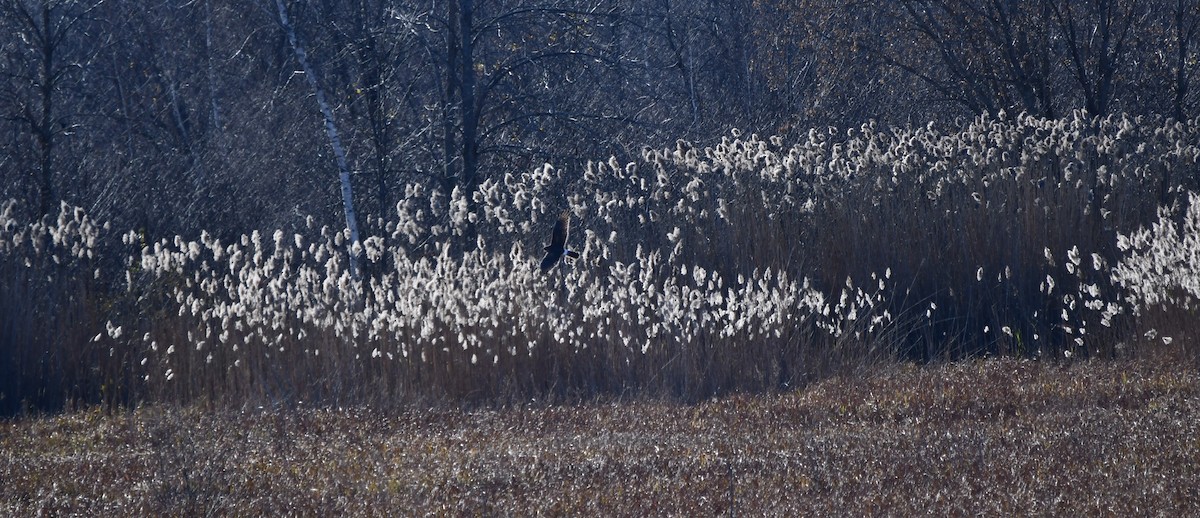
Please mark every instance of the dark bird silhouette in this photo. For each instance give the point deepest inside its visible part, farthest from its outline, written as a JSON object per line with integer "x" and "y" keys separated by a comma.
{"x": 558, "y": 243}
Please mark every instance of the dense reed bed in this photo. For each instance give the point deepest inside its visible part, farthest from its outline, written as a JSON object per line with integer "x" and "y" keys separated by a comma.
{"x": 750, "y": 264}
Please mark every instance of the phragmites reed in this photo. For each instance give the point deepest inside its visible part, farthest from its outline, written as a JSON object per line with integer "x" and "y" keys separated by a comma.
{"x": 751, "y": 264}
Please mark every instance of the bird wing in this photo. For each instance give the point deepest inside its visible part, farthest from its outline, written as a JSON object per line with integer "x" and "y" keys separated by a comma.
{"x": 559, "y": 239}
{"x": 549, "y": 259}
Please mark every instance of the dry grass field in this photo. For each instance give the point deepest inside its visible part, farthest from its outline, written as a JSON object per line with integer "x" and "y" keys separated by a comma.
{"x": 992, "y": 437}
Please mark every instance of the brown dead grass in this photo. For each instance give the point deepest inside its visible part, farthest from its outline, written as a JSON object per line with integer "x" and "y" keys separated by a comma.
{"x": 993, "y": 437}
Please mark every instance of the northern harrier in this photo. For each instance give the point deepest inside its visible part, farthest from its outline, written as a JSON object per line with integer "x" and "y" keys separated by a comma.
{"x": 558, "y": 243}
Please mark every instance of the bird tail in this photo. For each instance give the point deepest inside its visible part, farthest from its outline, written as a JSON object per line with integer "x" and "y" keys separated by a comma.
{"x": 572, "y": 254}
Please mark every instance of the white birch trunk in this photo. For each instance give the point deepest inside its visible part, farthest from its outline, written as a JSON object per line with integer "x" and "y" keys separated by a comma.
{"x": 330, "y": 131}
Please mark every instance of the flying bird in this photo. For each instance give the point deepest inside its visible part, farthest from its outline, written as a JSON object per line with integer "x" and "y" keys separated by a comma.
{"x": 558, "y": 243}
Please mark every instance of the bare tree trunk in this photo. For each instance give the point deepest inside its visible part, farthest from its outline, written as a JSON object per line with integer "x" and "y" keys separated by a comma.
{"x": 452, "y": 80}
{"x": 470, "y": 115}
{"x": 1186, "y": 28}
{"x": 214, "y": 100}
{"x": 461, "y": 109}
{"x": 330, "y": 131}
{"x": 45, "y": 126}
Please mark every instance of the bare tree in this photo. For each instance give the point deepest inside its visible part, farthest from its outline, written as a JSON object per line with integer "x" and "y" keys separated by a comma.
{"x": 1185, "y": 42}
{"x": 39, "y": 63}
{"x": 1096, "y": 39}
{"x": 988, "y": 55}
{"x": 515, "y": 69}
{"x": 331, "y": 131}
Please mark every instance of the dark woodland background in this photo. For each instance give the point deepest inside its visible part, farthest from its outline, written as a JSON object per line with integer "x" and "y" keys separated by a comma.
{"x": 174, "y": 116}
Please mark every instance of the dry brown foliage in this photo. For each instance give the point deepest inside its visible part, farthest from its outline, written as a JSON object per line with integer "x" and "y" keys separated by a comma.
{"x": 993, "y": 437}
